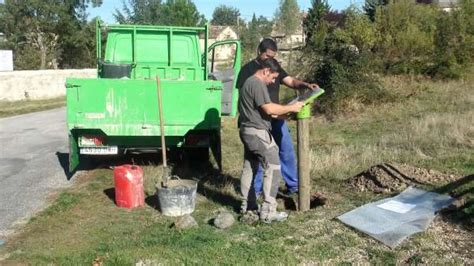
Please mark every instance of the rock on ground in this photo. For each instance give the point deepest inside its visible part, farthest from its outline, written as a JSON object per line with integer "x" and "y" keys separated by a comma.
{"x": 185, "y": 222}
{"x": 224, "y": 220}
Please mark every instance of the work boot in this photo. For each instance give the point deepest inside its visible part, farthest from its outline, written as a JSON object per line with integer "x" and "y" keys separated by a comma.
{"x": 249, "y": 217}
{"x": 249, "y": 206}
{"x": 269, "y": 214}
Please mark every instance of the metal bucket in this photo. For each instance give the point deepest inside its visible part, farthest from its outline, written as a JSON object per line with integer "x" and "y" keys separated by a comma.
{"x": 178, "y": 199}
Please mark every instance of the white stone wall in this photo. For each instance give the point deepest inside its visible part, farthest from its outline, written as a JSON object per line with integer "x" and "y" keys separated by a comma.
{"x": 38, "y": 84}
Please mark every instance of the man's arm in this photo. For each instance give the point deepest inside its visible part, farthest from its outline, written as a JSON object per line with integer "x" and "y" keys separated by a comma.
{"x": 294, "y": 83}
{"x": 274, "y": 109}
{"x": 245, "y": 72}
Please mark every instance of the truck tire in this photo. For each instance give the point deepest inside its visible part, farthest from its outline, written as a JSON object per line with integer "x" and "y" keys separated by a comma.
{"x": 198, "y": 155}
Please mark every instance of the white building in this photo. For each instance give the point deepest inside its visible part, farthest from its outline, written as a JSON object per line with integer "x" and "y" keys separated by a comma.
{"x": 6, "y": 60}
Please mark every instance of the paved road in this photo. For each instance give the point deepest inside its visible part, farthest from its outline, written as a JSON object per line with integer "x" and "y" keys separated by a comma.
{"x": 32, "y": 149}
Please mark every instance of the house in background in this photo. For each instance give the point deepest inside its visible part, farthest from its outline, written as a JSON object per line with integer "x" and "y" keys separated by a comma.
{"x": 294, "y": 41}
{"x": 290, "y": 44}
{"x": 446, "y": 5}
{"x": 224, "y": 54}
{"x": 221, "y": 33}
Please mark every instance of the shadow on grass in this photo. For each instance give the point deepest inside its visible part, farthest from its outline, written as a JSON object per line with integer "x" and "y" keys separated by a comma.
{"x": 291, "y": 202}
{"x": 211, "y": 182}
{"x": 153, "y": 202}
{"x": 110, "y": 193}
{"x": 91, "y": 163}
{"x": 462, "y": 210}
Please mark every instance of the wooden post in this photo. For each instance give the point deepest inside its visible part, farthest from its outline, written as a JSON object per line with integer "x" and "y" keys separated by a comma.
{"x": 304, "y": 196}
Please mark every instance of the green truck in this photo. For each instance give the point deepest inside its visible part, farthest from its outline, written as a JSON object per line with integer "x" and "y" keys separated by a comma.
{"x": 117, "y": 112}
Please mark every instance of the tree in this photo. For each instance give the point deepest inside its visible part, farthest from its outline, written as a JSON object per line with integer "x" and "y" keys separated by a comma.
{"x": 316, "y": 14}
{"x": 287, "y": 16}
{"x": 287, "y": 20}
{"x": 405, "y": 36}
{"x": 370, "y": 7}
{"x": 145, "y": 12}
{"x": 43, "y": 34}
{"x": 251, "y": 34}
{"x": 250, "y": 38}
{"x": 264, "y": 26}
{"x": 154, "y": 12}
{"x": 225, "y": 16}
{"x": 182, "y": 13}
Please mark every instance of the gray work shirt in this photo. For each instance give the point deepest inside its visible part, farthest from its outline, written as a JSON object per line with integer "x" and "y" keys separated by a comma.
{"x": 273, "y": 89}
{"x": 252, "y": 95}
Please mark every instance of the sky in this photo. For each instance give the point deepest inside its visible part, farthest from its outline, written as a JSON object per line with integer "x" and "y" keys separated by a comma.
{"x": 265, "y": 8}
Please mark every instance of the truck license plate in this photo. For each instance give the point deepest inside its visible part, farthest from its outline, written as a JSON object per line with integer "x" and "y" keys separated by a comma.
{"x": 99, "y": 150}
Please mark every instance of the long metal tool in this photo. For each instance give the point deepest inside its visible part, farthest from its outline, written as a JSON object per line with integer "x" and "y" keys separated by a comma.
{"x": 165, "y": 177}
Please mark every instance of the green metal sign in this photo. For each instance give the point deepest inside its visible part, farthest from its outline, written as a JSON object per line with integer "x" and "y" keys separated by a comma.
{"x": 308, "y": 99}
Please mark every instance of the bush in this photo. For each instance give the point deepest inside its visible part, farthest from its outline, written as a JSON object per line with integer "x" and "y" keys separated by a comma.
{"x": 405, "y": 33}
{"x": 454, "y": 42}
{"x": 340, "y": 61}
{"x": 404, "y": 38}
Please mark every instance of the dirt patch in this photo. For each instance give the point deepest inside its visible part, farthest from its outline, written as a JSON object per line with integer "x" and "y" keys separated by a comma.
{"x": 384, "y": 178}
{"x": 455, "y": 239}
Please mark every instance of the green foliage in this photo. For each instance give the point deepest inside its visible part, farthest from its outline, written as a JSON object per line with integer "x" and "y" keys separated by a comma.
{"x": 315, "y": 18}
{"x": 182, "y": 13}
{"x": 47, "y": 34}
{"x": 391, "y": 37}
{"x": 405, "y": 33}
{"x": 360, "y": 31}
{"x": 146, "y": 12}
{"x": 370, "y": 7}
{"x": 225, "y": 16}
{"x": 339, "y": 61}
{"x": 287, "y": 16}
{"x": 79, "y": 49}
{"x": 288, "y": 20}
{"x": 252, "y": 33}
{"x": 154, "y": 12}
{"x": 454, "y": 42}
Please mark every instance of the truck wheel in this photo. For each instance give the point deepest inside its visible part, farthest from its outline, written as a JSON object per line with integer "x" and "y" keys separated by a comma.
{"x": 199, "y": 155}
{"x": 87, "y": 162}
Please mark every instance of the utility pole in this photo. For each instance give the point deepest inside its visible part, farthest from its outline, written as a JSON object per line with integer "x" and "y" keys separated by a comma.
{"x": 304, "y": 183}
{"x": 304, "y": 118}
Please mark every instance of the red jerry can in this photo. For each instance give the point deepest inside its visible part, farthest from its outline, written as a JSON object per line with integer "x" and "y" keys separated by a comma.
{"x": 128, "y": 181}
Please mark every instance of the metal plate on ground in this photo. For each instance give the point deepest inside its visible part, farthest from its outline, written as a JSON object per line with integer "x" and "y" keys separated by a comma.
{"x": 394, "y": 219}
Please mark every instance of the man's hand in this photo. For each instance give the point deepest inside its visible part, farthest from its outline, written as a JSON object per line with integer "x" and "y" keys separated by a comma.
{"x": 296, "y": 107}
{"x": 312, "y": 86}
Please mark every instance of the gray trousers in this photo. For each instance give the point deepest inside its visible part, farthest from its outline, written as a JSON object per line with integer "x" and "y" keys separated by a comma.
{"x": 259, "y": 148}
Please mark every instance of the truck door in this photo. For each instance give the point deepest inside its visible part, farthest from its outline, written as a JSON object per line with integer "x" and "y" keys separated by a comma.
{"x": 224, "y": 65}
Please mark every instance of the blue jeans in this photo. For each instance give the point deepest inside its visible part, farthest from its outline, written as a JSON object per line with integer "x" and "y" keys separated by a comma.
{"x": 282, "y": 136}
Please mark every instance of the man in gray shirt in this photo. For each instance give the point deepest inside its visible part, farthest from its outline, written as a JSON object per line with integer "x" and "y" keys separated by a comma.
{"x": 255, "y": 113}
{"x": 280, "y": 131}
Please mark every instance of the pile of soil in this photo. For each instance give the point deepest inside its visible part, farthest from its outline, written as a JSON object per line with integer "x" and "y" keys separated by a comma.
{"x": 392, "y": 177}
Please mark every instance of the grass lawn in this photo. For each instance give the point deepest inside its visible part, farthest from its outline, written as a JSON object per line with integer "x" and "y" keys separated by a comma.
{"x": 11, "y": 108}
{"x": 431, "y": 125}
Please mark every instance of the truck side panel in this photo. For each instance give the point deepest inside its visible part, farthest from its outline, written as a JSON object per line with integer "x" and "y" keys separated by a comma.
{"x": 121, "y": 107}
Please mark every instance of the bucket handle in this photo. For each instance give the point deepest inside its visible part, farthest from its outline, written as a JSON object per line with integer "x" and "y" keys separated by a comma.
{"x": 176, "y": 177}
